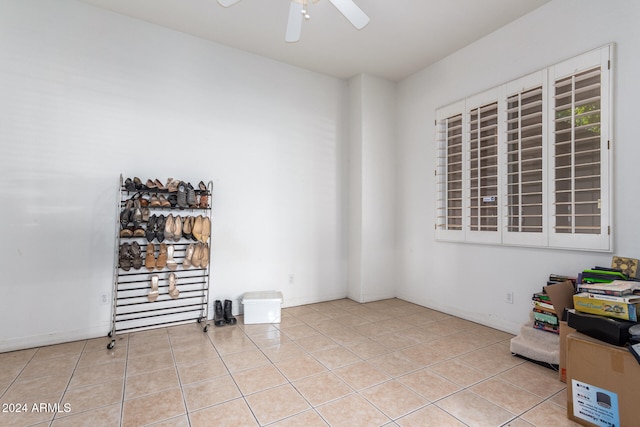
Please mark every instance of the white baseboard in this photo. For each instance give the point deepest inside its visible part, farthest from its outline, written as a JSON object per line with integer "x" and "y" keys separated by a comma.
{"x": 22, "y": 343}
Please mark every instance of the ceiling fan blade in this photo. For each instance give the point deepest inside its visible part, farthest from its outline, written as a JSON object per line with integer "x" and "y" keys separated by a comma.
{"x": 352, "y": 12}
{"x": 294, "y": 25}
{"x": 227, "y": 3}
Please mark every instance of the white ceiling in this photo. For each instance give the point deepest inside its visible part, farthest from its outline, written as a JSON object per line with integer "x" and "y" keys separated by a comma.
{"x": 403, "y": 36}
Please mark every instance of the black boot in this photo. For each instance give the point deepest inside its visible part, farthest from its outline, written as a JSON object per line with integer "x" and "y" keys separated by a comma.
{"x": 218, "y": 316}
{"x": 228, "y": 317}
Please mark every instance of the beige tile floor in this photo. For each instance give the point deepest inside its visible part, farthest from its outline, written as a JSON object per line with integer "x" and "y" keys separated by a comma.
{"x": 336, "y": 363}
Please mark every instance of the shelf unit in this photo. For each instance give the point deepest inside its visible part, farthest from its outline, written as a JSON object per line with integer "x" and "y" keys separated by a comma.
{"x": 132, "y": 309}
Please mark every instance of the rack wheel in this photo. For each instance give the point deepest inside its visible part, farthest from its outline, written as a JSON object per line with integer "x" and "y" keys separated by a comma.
{"x": 110, "y": 334}
{"x": 199, "y": 319}
{"x": 206, "y": 328}
{"x": 111, "y": 344}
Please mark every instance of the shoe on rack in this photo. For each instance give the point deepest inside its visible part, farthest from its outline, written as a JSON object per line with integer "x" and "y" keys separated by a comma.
{"x": 182, "y": 195}
{"x": 173, "y": 200}
{"x": 173, "y": 290}
{"x": 159, "y": 184}
{"x": 172, "y": 185}
{"x": 159, "y": 228}
{"x": 138, "y": 184}
{"x": 171, "y": 263}
{"x": 153, "y": 293}
{"x": 126, "y": 232}
{"x": 164, "y": 202}
{"x": 186, "y": 227}
{"x": 177, "y": 228}
{"x": 218, "y": 314}
{"x": 150, "y": 234}
{"x": 206, "y": 229}
{"x": 136, "y": 253}
{"x": 196, "y": 258}
{"x": 191, "y": 196}
{"x": 150, "y": 257}
{"x": 139, "y": 232}
{"x": 145, "y": 214}
{"x": 136, "y": 213}
{"x": 125, "y": 214}
{"x": 201, "y": 186}
{"x": 228, "y": 317}
{"x": 124, "y": 259}
{"x": 204, "y": 201}
{"x": 154, "y": 202}
{"x": 188, "y": 255}
{"x": 151, "y": 185}
{"x": 162, "y": 257}
{"x": 129, "y": 185}
{"x": 168, "y": 227}
{"x": 204, "y": 259}
{"x": 197, "y": 228}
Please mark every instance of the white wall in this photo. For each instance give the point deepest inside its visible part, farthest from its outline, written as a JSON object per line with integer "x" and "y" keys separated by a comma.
{"x": 86, "y": 94}
{"x": 470, "y": 280}
{"x": 372, "y": 207}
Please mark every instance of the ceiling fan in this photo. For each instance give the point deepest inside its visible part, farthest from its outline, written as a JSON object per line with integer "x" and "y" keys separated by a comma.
{"x": 299, "y": 9}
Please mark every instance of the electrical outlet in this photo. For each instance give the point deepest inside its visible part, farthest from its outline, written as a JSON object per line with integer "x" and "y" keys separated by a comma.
{"x": 508, "y": 297}
{"x": 104, "y": 299}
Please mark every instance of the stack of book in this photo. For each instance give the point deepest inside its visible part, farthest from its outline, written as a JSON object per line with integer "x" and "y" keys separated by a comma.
{"x": 619, "y": 299}
{"x": 545, "y": 317}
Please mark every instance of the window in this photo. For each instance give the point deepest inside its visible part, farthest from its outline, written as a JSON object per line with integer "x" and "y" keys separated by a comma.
{"x": 527, "y": 163}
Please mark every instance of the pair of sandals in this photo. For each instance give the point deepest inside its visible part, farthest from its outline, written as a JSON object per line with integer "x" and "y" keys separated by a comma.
{"x": 130, "y": 256}
{"x": 150, "y": 260}
{"x": 155, "y": 292}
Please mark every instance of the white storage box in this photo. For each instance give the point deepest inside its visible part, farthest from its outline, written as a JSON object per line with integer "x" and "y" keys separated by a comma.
{"x": 262, "y": 307}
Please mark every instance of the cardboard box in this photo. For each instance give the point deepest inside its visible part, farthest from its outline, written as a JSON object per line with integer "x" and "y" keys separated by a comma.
{"x": 618, "y": 310}
{"x": 603, "y": 383}
{"x": 262, "y": 307}
{"x": 561, "y": 295}
{"x": 565, "y": 330}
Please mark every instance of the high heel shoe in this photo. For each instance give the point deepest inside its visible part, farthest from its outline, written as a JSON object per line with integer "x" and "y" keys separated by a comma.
{"x": 173, "y": 290}
{"x": 168, "y": 227}
{"x": 201, "y": 186}
{"x": 197, "y": 228}
{"x": 171, "y": 263}
{"x": 177, "y": 228}
{"x": 159, "y": 184}
{"x": 153, "y": 293}
{"x": 206, "y": 229}
{"x": 186, "y": 262}
{"x": 150, "y": 233}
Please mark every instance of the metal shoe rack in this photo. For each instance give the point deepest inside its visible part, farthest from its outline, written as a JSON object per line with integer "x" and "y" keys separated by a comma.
{"x": 131, "y": 309}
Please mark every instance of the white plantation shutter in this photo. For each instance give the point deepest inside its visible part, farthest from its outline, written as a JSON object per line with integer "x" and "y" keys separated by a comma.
{"x": 450, "y": 173}
{"x": 528, "y": 163}
{"x": 524, "y": 144}
{"x": 580, "y": 135}
{"x": 483, "y": 224}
